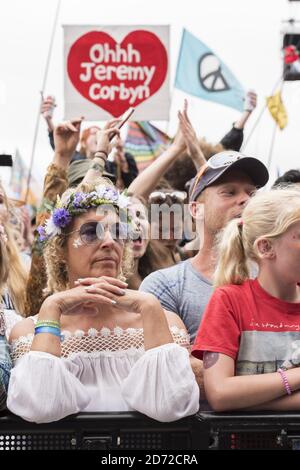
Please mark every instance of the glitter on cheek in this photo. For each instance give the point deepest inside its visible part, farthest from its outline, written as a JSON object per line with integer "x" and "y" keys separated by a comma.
{"x": 77, "y": 243}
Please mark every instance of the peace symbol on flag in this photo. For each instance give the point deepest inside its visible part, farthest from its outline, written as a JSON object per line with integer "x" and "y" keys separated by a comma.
{"x": 210, "y": 74}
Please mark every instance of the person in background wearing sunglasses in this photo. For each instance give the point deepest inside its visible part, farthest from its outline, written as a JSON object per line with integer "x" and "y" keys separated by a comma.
{"x": 153, "y": 254}
{"x": 96, "y": 345}
{"x": 218, "y": 193}
{"x": 140, "y": 243}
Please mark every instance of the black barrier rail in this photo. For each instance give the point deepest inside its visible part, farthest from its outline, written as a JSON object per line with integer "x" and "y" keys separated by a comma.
{"x": 256, "y": 431}
{"x": 133, "y": 431}
{"x": 103, "y": 431}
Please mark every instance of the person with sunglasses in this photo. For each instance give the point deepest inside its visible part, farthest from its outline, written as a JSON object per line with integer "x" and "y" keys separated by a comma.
{"x": 218, "y": 193}
{"x": 95, "y": 344}
{"x": 153, "y": 254}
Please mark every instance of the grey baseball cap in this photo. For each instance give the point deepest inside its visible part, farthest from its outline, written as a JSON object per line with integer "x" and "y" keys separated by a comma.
{"x": 223, "y": 162}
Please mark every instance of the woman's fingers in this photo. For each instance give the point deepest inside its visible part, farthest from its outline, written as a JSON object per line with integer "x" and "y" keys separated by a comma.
{"x": 105, "y": 287}
{"x": 185, "y": 105}
{"x": 101, "y": 295}
{"x": 77, "y": 122}
{"x": 71, "y": 126}
{"x": 95, "y": 280}
{"x": 183, "y": 119}
{"x": 113, "y": 131}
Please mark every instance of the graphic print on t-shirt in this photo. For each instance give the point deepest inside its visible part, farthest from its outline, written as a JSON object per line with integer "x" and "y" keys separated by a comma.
{"x": 265, "y": 351}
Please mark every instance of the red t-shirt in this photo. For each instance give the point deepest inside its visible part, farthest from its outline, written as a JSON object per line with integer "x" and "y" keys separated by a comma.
{"x": 260, "y": 332}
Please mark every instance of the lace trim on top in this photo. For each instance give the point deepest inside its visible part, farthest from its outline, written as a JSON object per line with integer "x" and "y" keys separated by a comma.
{"x": 106, "y": 342}
{"x": 10, "y": 319}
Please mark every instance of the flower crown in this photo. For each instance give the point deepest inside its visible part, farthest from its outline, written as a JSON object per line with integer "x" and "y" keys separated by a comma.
{"x": 78, "y": 203}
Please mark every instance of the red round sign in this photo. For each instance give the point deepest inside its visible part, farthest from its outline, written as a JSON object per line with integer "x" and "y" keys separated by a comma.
{"x": 116, "y": 76}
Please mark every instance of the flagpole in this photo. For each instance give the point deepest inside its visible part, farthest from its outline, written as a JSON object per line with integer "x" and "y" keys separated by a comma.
{"x": 272, "y": 145}
{"x": 43, "y": 88}
{"x": 173, "y": 89}
{"x": 273, "y": 136}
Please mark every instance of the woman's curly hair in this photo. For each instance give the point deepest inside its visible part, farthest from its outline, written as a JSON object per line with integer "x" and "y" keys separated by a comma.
{"x": 54, "y": 252}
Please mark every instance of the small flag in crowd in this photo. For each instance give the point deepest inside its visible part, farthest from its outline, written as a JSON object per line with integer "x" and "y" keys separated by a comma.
{"x": 277, "y": 109}
{"x": 18, "y": 182}
{"x": 145, "y": 142}
{"x": 201, "y": 73}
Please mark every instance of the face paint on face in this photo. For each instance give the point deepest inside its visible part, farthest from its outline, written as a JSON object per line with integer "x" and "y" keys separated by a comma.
{"x": 77, "y": 242}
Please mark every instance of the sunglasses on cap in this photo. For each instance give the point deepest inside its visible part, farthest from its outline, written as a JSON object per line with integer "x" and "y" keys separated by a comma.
{"x": 216, "y": 162}
{"x": 175, "y": 196}
{"x": 92, "y": 232}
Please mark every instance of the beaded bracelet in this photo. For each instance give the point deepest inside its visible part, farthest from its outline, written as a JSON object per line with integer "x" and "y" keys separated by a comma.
{"x": 55, "y": 324}
{"x": 285, "y": 381}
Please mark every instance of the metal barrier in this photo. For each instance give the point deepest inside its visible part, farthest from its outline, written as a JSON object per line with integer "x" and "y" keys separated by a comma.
{"x": 253, "y": 430}
{"x": 91, "y": 431}
{"x": 133, "y": 431}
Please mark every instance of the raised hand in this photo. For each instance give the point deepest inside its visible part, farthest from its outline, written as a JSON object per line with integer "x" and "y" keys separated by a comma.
{"x": 47, "y": 107}
{"x": 105, "y": 136}
{"x": 190, "y": 137}
{"x": 250, "y": 101}
{"x": 66, "y": 137}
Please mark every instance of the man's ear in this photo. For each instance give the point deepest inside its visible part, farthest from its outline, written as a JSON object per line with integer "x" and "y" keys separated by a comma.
{"x": 265, "y": 248}
{"x": 196, "y": 210}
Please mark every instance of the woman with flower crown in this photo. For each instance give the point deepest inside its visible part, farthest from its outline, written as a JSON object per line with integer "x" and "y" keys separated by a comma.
{"x": 96, "y": 345}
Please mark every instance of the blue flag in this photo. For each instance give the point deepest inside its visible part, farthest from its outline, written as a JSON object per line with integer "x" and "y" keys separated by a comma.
{"x": 201, "y": 73}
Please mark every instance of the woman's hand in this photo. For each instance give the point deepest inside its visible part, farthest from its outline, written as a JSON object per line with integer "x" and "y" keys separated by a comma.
{"x": 105, "y": 135}
{"x": 69, "y": 302}
{"x": 155, "y": 324}
{"x": 127, "y": 299}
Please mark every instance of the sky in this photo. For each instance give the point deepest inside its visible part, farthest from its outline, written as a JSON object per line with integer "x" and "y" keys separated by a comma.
{"x": 245, "y": 34}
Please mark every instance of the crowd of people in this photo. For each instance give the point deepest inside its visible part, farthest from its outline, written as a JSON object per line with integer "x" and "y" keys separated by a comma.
{"x": 164, "y": 292}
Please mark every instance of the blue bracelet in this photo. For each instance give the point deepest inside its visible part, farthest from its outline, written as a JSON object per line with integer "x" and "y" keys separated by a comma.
{"x": 47, "y": 329}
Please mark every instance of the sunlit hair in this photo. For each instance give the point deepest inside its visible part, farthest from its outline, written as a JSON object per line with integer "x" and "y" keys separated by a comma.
{"x": 268, "y": 215}
{"x": 83, "y": 138}
{"x": 55, "y": 249}
{"x": 12, "y": 273}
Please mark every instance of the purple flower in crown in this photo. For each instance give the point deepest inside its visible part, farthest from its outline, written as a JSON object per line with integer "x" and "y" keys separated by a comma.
{"x": 78, "y": 199}
{"x": 42, "y": 233}
{"x": 61, "y": 217}
{"x": 111, "y": 195}
{"x": 101, "y": 190}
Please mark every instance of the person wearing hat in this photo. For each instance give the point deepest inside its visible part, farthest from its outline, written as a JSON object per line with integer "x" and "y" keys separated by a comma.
{"x": 218, "y": 193}
{"x": 78, "y": 170}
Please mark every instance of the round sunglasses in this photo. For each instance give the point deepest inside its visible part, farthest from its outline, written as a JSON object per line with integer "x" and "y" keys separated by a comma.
{"x": 92, "y": 232}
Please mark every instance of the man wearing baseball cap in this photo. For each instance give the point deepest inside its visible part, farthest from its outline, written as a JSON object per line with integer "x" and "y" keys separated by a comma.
{"x": 218, "y": 193}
